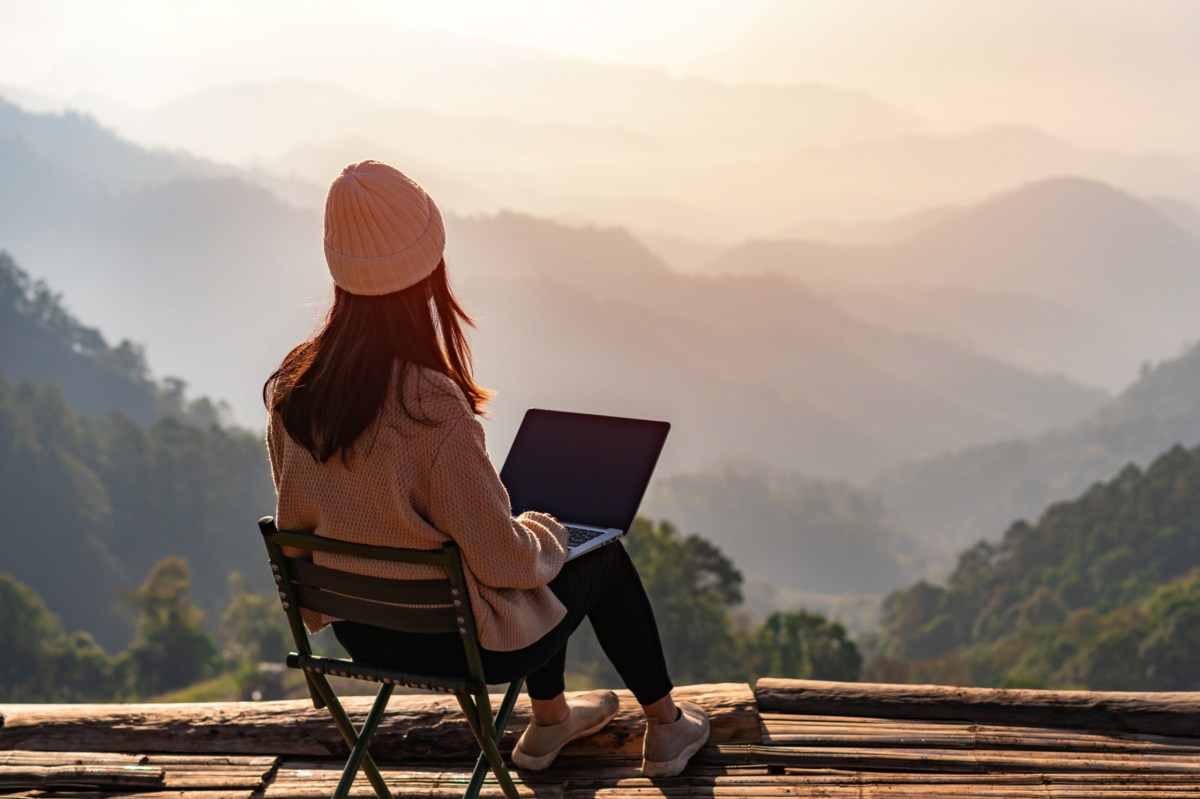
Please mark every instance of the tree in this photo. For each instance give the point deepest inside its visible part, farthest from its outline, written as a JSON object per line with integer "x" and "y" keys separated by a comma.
{"x": 38, "y": 661}
{"x": 692, "y": 586}
{"x": 254, "y": 629}
{"x": 27, "y": 632}
{"x": 170, "y": 649}
{"x": 802, "y": 645}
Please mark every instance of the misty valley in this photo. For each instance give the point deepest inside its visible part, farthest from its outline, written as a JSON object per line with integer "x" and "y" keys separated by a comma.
{"x": 954, "y": 444}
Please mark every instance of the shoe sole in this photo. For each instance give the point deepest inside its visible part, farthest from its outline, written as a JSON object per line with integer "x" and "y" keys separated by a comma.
{"x": 673, "y": 767}
{"x": 530, "y": 763}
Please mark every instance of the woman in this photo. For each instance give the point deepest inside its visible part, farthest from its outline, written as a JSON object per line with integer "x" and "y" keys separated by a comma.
{"x": 373, "y": 438}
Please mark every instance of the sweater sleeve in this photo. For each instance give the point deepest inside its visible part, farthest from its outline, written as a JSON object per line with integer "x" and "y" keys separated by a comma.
{"x": 470, "y": 504}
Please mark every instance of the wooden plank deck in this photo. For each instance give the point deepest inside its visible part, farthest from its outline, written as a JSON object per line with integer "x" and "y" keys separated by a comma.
{"x": 784, "y": 738}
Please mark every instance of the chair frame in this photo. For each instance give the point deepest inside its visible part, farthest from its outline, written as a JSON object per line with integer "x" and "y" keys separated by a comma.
{"x": 446, "y": 608}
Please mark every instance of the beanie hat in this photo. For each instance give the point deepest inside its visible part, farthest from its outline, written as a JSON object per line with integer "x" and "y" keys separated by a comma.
{"x": 383, "y": 233}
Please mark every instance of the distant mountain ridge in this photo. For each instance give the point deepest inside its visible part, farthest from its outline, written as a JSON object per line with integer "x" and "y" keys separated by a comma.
{"x": 220, "y": 278}
{"x": 973, "y": 494}
{"x": 43, "y": 342}
{"x": 734, "y": 343}
{"x": 1125, "y": 276}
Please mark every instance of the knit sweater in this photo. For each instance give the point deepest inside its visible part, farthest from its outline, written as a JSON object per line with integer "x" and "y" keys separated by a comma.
{"x": 414, "y": 485}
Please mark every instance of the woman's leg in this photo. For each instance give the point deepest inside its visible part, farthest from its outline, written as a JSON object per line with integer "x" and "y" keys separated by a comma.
{"x": 623, "y": 620}
{"x": 663, "y": 711}
{"x": 603, "y": 586}
{"x": 545, "y": 685}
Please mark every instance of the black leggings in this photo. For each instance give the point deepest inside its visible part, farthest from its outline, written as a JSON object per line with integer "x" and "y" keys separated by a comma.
{"x": 602, "y": 586}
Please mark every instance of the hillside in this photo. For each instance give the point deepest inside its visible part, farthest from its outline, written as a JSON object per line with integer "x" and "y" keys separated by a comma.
{"x": 43, "y": 342}
{"x": 91, "y": 505}
{"x": 104, "y": 471}
{"x": 822, "y": 537}
{"x": 1100, "y": 592}
{"x": 966, "y": 496}
{"x": 851, "y": 392}
{"x": 1065, "y": 275}
{"x": 185, "y": 265}
{"x": 1065, "y": 237}
{"x": 219, "y": 265}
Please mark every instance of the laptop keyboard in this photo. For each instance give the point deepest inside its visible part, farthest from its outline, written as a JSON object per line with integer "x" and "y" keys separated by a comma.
{"x": 577, "y": 536}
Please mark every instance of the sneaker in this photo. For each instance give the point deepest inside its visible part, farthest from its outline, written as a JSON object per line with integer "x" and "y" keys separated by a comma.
{"x": 538, "y": 745}
{"x": 668, "y": 747}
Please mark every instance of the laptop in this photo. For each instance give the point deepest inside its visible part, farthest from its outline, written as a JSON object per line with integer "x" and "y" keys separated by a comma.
{"x": 590, "y": 472}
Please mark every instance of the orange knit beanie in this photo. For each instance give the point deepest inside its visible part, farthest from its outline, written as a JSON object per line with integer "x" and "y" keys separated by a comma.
{"x": 383, "y": 233}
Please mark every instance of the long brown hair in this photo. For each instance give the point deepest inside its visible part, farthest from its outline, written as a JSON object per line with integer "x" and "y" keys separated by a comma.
{"x": 330, "y": 388}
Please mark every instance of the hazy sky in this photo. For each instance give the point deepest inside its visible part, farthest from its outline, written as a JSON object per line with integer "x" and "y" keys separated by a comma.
{"x": 1106, "y": 72}
{"x": 1094, "y": 87}
{"x": 143, "y": 51}
{"x": 1109, "y": 73}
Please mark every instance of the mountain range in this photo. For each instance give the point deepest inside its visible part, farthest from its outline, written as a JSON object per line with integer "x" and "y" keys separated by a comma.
{"x": 804, "y": 357}
{"x": 974, "y": 494}
{"x": 218, "y": 278}
{"x": 631, "y": 146}
{"x": 1065, "y": 275}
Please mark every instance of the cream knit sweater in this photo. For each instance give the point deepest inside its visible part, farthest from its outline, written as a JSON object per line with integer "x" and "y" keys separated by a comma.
{"x": 415, "y": 485}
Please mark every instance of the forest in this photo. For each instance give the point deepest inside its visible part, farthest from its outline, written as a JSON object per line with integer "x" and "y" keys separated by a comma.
{"x": 132, "y": 553}
{"x": 1102, "y": 592}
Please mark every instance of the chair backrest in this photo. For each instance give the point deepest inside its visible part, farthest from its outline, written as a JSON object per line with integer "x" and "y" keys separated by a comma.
{"x": 417, "y": 606}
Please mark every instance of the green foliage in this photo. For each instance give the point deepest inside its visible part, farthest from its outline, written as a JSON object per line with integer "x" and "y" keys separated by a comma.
{"x": 44, "y": 342}
{"x": 1102, "y": 593}
{"x": 803, "y": 645}
{"x": 38, "y": 661}
{"x": 253, "y": 630}
{"x": 90, "y": 504}
{"x": 693, "y": 587}
{"x": 171, "y": 649}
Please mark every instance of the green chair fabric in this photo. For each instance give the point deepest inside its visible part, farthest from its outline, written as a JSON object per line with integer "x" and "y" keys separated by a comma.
{"x": 439, "y": 605}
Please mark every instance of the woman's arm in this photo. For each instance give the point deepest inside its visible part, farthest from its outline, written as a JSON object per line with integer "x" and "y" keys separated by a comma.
{"x": 470, "y": 504}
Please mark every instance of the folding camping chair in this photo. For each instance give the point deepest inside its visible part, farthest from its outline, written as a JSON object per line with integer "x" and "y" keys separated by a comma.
{"x": 430, "y": 606}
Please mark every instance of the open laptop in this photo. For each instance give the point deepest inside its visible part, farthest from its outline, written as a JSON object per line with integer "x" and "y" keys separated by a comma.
{"x": 589, "y": 472}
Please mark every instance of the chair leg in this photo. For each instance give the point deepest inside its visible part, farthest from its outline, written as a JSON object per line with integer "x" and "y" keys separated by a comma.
{"x": 481, "y": 764}
{"x": 346, "y": 728}
{"x": 317, "y": 700}
{"x": 364, "y": 738}
{"x": 478, "y": 711}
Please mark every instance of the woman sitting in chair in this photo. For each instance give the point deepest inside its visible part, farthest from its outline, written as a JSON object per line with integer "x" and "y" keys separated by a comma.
{"x": 373, "y": 438}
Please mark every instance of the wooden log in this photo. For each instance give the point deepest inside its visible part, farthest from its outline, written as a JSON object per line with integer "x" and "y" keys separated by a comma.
{"x": 21, "y": 757}
{"x": 669, "y": 790}
{"x": 125, "y": 777}
{"x": 109, "y": 771}
{"x": 1176, "y": 713}
{"x": 584, "y": 777}
{"x": 787, "y": 730}
{"x": 426, "y": 726}
{"x": 587, "y": 777}
{"x": 141, "y": 794}
{"x": 979, "y": 761}
{"x": 316, "y": 780}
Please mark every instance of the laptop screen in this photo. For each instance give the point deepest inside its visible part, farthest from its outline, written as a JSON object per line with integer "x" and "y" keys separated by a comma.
{"x": 582, "y": 468}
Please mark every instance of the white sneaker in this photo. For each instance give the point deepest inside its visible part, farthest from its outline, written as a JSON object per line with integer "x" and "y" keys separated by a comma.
{"x": 538, "y": 746}
{"x": 668, "y": 747}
